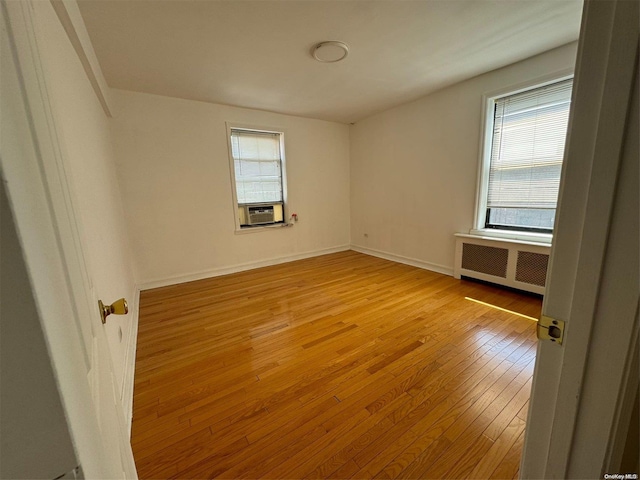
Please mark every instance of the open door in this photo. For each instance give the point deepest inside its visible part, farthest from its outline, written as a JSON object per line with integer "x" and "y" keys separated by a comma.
{"x": 584, "y": 390}
{"x": 33, "y": 170}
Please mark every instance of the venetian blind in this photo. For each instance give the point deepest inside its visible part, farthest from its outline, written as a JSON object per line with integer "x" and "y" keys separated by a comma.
{"x": 258, "y": 166}
{"x": 528, "y": 147}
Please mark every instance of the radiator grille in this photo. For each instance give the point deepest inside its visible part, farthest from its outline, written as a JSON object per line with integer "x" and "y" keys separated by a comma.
{"x": 483, "y": 259}
{"x": 532, "y": 268}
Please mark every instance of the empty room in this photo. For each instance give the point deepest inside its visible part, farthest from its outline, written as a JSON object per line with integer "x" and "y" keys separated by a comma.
{"x": 295, "y": 239}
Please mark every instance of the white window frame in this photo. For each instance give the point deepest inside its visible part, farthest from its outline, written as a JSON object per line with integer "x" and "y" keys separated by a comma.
{"x": 486, "y": 137}
{"x": 232, "y": 172}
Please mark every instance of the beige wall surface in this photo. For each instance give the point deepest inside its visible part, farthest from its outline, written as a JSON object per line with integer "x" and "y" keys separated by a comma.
{"x": 414, "y": 168}
{"x": 174, "y": 171}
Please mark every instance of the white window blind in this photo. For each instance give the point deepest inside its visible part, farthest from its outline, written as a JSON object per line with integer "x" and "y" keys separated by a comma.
{"x": 258, "y": 166}
{"x": 528, "y": 147}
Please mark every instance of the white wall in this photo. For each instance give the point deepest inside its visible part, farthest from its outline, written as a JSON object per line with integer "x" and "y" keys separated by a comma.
{"x": 173, "y": 167}
{"x": 414, "y": 167}
{"x": 85, "y": 136}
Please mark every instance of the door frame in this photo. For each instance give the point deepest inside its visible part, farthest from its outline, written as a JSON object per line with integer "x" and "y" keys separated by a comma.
{"x": 557, "y": 437}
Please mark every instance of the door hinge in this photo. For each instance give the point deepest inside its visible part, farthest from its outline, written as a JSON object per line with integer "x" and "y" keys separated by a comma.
{"x": 550, "y": 329}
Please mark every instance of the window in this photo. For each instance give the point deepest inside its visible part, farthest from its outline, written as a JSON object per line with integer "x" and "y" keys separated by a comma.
{"x": 258, "y": 173}
{"x": 525, "y": 140}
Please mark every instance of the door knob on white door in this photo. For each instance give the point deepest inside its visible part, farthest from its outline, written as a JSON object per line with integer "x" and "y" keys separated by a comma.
{"x": 119, "y": 307}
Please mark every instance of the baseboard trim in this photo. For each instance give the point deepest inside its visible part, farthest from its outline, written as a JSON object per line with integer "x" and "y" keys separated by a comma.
{"x": 414, "y": 262}
{"x": 216, "y": 272}
{"x": 126, "y": 394}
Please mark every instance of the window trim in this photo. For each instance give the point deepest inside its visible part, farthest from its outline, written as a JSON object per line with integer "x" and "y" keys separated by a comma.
{"x": 232, "y": 173}
{"x": 484, "y": 158}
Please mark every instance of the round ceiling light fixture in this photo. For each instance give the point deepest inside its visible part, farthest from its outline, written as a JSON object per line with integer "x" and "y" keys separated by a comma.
{"x": 330, "y": 52}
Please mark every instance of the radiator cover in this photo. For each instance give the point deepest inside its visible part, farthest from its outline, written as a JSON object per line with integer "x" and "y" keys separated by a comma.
{"x": 513, "y": 263}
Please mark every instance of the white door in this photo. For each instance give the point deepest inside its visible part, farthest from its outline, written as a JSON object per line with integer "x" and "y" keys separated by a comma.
{"x": 583, "y": 389}
{"x": 34, "y": 172}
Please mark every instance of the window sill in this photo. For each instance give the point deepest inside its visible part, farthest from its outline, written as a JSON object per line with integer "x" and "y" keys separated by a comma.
{"x": 535, "y": 238}
{"x": 277, "y": 226}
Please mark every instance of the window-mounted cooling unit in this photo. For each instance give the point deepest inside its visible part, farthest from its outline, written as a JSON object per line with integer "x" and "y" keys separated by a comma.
{"x": 260, "y": 215}
{"x": 255, "y": 214}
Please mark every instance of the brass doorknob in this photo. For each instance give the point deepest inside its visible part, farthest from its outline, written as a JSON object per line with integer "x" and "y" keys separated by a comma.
{"x": 119, "y": 307}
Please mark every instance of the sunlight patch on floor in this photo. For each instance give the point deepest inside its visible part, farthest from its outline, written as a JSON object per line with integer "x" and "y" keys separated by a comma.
{"x": 500, "y": 308}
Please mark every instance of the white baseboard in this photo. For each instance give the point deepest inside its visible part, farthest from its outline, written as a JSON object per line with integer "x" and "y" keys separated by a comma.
{"x": 216, "y": 272}
{"x": 126, "y": 394}
{"x": 414, "y": 262}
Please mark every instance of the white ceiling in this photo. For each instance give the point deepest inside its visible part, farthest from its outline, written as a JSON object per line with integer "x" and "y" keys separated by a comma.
{"x": 256, "y": 54}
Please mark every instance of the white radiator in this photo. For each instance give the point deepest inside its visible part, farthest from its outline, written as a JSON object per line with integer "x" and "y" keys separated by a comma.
{"x": 513, "y": 263}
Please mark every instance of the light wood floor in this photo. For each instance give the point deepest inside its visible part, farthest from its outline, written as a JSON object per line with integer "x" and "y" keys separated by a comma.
{"x": 340, "y": 366}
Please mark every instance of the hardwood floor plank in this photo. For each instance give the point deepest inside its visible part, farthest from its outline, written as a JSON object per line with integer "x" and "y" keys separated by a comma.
{"x": 346, "y": 455}
{"x": 299, "y": 464}
{"x": 348, "y": 470}
{"x": 391, "y": 451}
{"x": 459, "y": 441}
{"x": 169, "y": 452}
{"x": 506, "y": 416}
{"x": 469, "y": 459}
{"x": 388, "y": 360}
{"x": 339, "y": 366}
{"x": 479, "y": 390}
{"x": 329, "y": 336}
{"x": 272, "y": 446}
{"x": 509, "y": 465}
{"x": 499, "y": 449}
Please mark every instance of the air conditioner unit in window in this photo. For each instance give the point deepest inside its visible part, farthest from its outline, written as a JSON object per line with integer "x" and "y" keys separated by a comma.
{"x": 260, "y": 214}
